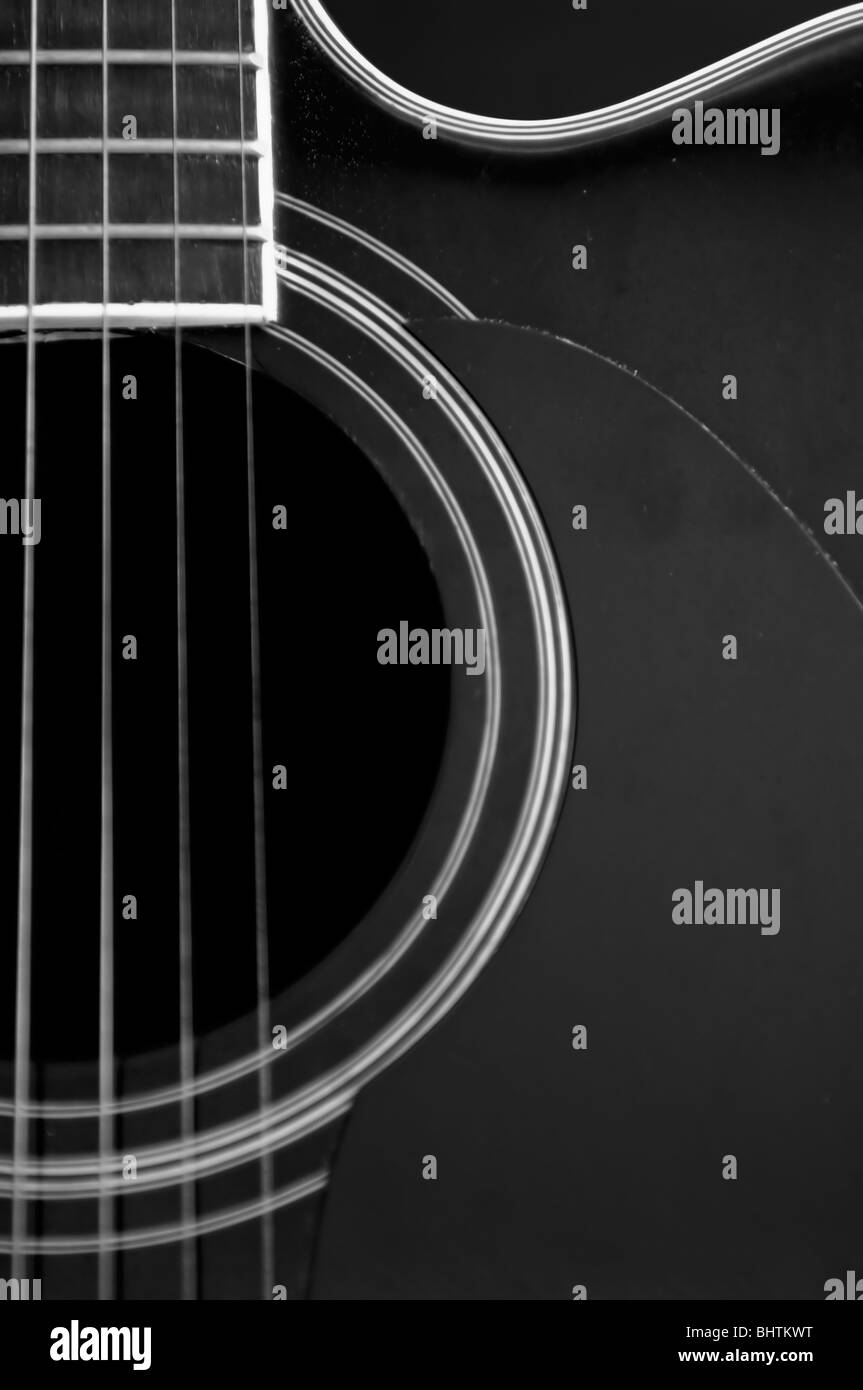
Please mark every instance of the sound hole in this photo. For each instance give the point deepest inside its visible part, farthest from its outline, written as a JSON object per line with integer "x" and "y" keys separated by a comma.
{"x": 361, "y": 743}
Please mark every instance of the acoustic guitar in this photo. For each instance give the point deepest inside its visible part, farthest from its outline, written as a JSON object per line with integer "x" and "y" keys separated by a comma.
{"x": 430, "y": 689}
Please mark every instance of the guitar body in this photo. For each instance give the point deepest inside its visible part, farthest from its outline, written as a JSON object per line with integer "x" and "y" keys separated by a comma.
{"x": 355, "y": 978}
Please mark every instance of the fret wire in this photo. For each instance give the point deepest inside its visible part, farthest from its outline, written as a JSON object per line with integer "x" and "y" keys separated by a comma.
{"x": 139, "y": 57}
{"x": 134, "y": 231}
{"x": 92, "y": 144}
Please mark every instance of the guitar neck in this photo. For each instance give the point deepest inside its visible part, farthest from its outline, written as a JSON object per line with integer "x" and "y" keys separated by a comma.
{"x": 135, "y": 163}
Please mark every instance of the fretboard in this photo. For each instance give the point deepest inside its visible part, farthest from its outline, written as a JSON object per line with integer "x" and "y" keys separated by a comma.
{"x": 135, "y": 168}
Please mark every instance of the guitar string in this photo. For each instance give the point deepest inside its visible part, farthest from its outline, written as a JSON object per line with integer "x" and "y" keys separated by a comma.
{"x": 106, "y": 1262}
{"x": 107, "y": 1265}
{"x": 188, "y": 1248}
{"x": 24, "y": 947}
{"x": 262, "y": 968}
